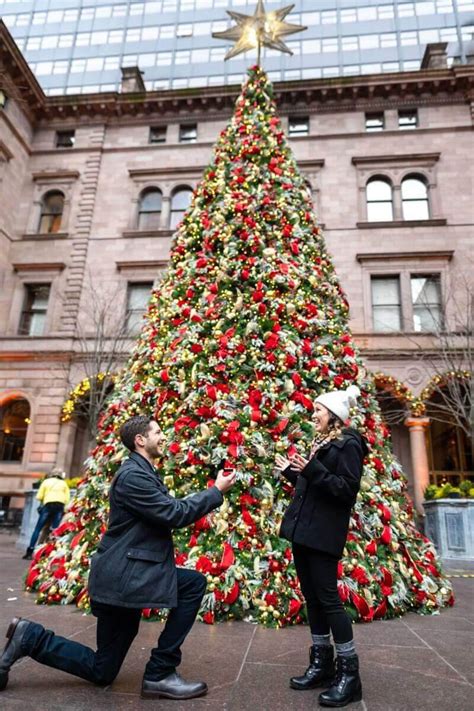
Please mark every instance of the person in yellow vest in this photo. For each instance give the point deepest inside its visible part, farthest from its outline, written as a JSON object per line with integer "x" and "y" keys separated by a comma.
{"x": 53, "y": 496}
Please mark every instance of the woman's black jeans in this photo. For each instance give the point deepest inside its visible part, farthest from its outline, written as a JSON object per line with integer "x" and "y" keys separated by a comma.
{"x": 317, "y": 573}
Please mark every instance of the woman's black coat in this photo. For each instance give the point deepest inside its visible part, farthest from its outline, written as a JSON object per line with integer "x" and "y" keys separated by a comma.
{"x": 325, "y": 492}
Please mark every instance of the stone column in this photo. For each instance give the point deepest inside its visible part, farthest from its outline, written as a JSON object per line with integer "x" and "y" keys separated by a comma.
{"x": 165, "y": 213}
{"x": 397, "y": 203}
{"x": 419, "y": 458}
{"x": 67, "y": 436}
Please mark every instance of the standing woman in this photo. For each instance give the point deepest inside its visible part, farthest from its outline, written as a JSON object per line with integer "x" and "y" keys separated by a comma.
{"x": 317, "y": 522}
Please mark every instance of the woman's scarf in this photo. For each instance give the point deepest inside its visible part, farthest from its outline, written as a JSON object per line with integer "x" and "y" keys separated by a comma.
{"x": 324, "y": 438}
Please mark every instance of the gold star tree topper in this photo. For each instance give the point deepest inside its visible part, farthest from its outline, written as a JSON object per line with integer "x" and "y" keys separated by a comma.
{"x": 262, "y": 29}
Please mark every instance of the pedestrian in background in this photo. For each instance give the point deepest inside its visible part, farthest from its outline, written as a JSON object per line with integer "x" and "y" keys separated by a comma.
{"x": 53, "y": 496}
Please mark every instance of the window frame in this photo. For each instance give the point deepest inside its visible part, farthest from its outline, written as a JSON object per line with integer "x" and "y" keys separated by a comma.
{"x": 6, "y": 398}
{"x": 71, "y": 133}
{"x": 51, "y": 214}
{"x": 293, "y": 121}
{"x": 386, "y": 181}
{"x": 371, "y": 116}
{"x": 381, "y": 277}
{"x": 416, "y": 274}
{"x": 182, "y": 129}
{"x": 140, "y": 211}
{"x": 162, "y": 131}
{"x": 180, "y": 188}
{"x": 421, "y": 179}
{"x": 406, "y": 114}
{"x": 129, "y": 312}
{"x": 28, "y": 312}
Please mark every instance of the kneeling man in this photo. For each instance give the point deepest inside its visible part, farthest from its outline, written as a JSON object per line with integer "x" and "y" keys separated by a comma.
{"x": 133, "y": 568}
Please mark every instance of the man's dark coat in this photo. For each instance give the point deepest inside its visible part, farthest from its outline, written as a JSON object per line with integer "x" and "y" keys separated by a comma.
{"x": 134, "y": 563}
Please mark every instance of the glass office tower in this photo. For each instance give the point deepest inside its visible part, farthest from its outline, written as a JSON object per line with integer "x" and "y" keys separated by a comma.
{"x": 78, "y": 46}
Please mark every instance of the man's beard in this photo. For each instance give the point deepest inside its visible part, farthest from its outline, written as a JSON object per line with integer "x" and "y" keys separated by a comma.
{"x": 152, "y": 452}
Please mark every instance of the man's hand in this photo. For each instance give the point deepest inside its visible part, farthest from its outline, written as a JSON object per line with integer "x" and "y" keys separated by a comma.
{"x": 298, "y": 462}
{"x": 281, "y": 462}
{"x": 224, "y": 481}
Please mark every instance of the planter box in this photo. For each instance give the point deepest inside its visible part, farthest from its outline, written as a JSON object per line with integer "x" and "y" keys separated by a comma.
{"x": 450, "y": 525}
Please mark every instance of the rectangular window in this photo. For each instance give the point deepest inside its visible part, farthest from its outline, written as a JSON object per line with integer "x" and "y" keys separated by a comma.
{"x": 99, "y": 38}
{"x": 388, "y": 39}
{"x": 349, "y": 15}
{"x": 33, "y": 44}
{"x": 199, "y": 55}
{"x": 426, "y": 301}
{"x": 33, "y": 315}
{"x": 115, "y": 36}
{"x": 65, "y": 139}
{"x": 94, "y": 64}
{"x": 386, "y": 304}
{"x": 163, "y": 59}
{"x": 406, "y": 9}
{"x": 70, "y": 15}
{"x": 366, "y": 13}
{"x": 184, "y": 31}
{"x": 157, "y": 134}
{"x": 385, "y": 12}
{"x": 188, "y": 133}
{"x": 50, "y": 42}
{"x": 428, "y": 36}
{"x": 183, "y": 56}
{"x": 298, "y": 126}
{"x": 408, "y": 119}
{"x": 66, "y": 41}
{"x": 133, "y": 35}
{"x": 425, "y": 8}
{"x": 369, "y": 41}
{"x": 167, "y": 31}
{"x": 111, "y": 63}
{"x": 138, "y": 295}
{"x": 374, "y": 122}
{"x": 350, "y": 43}
{"x": 408, "y": 38}
{"x": 149, "y": 34}
{"x": 329, "y": 44}
{"x": 328, "y": 17}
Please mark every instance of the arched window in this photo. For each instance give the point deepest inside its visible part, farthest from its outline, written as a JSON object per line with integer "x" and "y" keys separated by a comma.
{"x": 379, "y": 200}
{"x": 52, "y": 208}
{"x": 14, "y": 421}
{"x": 179, "y": 204}
{"x": 449, "y": 444}
{"x": 415, "y": 198}
{"x": 149, "y": 209}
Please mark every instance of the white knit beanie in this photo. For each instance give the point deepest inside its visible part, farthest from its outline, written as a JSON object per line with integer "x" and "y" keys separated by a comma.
{"x": 339, "y": 402}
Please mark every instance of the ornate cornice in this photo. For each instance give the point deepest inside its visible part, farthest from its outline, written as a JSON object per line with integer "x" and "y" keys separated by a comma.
{"x": 410, "y": 158}
{"x": 435, "y": 222}
{"x": 48, "y": 176}
{"x": 416, "y": 88}
{"x": 38, "y": 266}
{"x": 416, "y": 256}
{"x": 16, "y": 77}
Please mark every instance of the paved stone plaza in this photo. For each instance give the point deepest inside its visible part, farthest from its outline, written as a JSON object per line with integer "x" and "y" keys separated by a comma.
{"x": 412, "y": 664}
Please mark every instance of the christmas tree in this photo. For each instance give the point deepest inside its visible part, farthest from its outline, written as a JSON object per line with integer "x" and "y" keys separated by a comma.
{"x": 248, "y": 326}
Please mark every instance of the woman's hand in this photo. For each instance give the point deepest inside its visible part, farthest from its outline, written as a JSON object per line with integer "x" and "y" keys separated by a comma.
{"x": 281, "y": 462}
{"x": 298, "y": 462}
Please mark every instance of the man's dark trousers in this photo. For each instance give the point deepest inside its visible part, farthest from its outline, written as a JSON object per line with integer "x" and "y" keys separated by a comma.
{"x": 117, "y": 627}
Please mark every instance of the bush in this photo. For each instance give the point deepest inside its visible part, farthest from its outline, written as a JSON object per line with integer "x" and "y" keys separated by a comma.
{"x": 464, "y": 490}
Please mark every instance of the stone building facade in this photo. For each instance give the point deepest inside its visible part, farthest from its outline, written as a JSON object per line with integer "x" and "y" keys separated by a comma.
{"x": 92, "y": 185}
